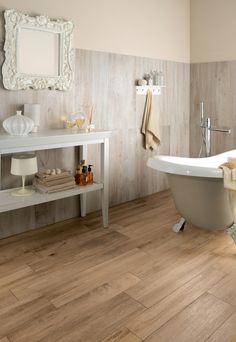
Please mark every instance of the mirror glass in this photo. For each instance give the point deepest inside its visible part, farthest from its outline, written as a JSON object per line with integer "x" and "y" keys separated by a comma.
{"x": 38, "y": 52}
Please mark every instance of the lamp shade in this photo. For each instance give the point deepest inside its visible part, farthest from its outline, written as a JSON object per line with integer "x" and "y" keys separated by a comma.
{"x": 24, "y": 164}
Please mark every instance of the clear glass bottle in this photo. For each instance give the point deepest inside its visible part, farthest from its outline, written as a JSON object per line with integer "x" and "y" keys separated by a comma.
{"x": 155, "y": 75}
{"x": 160, "y": 79}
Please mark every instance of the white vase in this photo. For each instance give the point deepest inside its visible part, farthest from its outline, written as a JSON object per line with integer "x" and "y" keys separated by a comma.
{"x": 18, "y": 124}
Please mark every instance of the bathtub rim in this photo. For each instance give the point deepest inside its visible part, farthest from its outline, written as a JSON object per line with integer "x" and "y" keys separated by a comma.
{"x": 196, "y": 167}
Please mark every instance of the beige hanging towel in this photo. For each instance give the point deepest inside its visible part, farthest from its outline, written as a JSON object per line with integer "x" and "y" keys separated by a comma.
{"x": 229, "y": 169}
{"x": 149, "y": 125}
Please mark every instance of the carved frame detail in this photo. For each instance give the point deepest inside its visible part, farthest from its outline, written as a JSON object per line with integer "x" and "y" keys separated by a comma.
{"x": 13, "y": 80}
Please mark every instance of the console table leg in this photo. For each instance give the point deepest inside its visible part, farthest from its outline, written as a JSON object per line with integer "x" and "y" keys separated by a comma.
{"x": 83, "y": 155}
{"x": 0, "y": 172}
{"x": 105, "y": 180}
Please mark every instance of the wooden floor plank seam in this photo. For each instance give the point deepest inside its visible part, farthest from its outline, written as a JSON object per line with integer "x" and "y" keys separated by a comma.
{"x": 10, "y": 290}
{"x": 136, "y": 300}
{"x": 184, "y": 307}
{"x": 223, "y": 300}
{"x": 167, "y": 326}
{"x": 218, "y": 328}
{"x": 173, "y": 317}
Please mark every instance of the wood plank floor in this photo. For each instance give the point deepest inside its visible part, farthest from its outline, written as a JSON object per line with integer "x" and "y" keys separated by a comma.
{"x": 136, "y": 281}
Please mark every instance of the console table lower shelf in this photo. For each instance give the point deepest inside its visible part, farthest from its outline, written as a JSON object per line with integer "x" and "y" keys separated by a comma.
{"x": 9, "y": 202}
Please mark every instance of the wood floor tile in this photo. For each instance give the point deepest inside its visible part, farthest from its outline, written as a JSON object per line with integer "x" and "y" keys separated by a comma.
{"x": 22, "y": 292}
{"x": 71, "y": 283}
{"x": 226, "y": 289}
{"x": 20, "y": 278}
{"x": 15, "y": 275}
{"x": 4, "y": 339}
{"x": 6, "y": 299}
{"x": 101, "y": 324}
{"x": 87, "y": 252}
{"x": 109, "y": 290}
{"x": 17, "y": 315}
{"x": 123, "y": 335}
{"x": 81, "y": 320}
{"x": 226, "y": 261}
{"x": 196, "y": 323}
{"x": 152, "y": 319}
{"x": 226, "y": 332}
{"x": 155, "y": 287}
{"x": 137, "y": 280}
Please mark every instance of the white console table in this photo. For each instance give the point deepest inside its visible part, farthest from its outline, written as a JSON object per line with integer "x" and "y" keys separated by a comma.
{"x": 57, "y": 139}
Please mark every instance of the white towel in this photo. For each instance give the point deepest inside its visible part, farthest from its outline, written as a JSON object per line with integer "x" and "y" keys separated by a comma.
{"x": 233, "y": 173}
{"x": 149, "y": 125}
{"x": 232, "y": 165}
{"x": 229, "y": 170}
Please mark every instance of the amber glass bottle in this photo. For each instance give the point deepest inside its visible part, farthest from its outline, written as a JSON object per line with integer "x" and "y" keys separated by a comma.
{"x": 78, "y": 173}
{"x": 90, "y": 175}
{"x": 84, "y": 176}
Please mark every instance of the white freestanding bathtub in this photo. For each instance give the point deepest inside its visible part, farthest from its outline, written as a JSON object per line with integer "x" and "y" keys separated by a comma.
{"x": 198, "y": 190}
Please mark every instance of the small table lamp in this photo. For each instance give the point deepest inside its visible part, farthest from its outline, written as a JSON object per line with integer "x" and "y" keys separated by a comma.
{"x": 23, "y": 165}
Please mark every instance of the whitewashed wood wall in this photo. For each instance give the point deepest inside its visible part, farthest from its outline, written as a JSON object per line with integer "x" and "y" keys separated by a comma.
{"x": 107, "y": 81}
{"x": 214, "y": 84}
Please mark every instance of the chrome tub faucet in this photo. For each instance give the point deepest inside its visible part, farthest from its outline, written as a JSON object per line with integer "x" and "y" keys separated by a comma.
{"x": 206, "y": 129}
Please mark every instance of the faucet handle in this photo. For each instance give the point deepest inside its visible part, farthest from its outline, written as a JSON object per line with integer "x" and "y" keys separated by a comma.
{"x": 223, "y": 130}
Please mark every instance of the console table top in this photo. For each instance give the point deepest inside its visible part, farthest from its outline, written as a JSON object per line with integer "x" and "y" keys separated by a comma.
{"x": 48, "y": 139}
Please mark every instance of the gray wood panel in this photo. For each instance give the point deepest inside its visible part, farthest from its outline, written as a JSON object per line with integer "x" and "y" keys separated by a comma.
{"x": 215, "y": 84}
{"x": 107, "y": 81}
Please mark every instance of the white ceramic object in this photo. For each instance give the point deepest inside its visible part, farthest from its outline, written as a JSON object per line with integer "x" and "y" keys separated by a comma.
{"x": 32, "y": 111}
{"x": 18, "y": 124}
{"x": 142, "y": 82}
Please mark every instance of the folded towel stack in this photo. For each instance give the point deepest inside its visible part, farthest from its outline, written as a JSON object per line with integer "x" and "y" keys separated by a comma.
{"x": 54, "y": 183}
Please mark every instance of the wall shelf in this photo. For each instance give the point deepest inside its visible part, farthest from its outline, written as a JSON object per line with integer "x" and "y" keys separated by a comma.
{"x": 155, "y": 89}
{"x": 58, "y": 139}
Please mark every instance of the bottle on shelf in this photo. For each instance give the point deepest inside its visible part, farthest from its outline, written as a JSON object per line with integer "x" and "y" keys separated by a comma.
{"x": 77, "y": 176}
{"x": 90, "y": 174}
{"x": 160, "y": 79}
{"x": 82, "y": 163}
{"x": 84, "y": 176}
{"x": 78, "y": 172}
{"x": 155, "y": 74}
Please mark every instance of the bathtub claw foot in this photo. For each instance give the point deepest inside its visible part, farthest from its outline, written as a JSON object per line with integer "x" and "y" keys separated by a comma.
{"x": 232, "y": 232}
{"x": 180, "y": 226}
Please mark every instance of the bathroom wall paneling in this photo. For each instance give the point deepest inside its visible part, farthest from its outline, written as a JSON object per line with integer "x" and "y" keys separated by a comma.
{"x": 106, "y": 80}
{"x": 215, "y": 84}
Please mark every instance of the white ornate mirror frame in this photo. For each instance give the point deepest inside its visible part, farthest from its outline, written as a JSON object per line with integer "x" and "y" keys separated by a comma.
{"x": 58, "y": 51}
